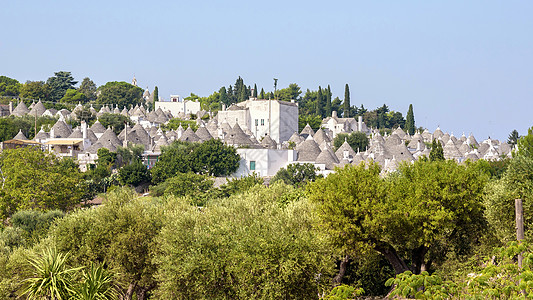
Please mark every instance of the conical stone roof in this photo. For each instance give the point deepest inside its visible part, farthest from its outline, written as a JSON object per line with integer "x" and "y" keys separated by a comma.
{"x": 340, "y": 153}
{"x": 307, "y": 131}
{"x": 20, "y": 136}
{"x": 269, "y": 143}
{"x": 98, "y": 127}
{"x": 38, "y": 109}
{"x": 60, "y": 130}
{"x": 320, "y": 137}
{"x": 203, "y": 134}
{"x": 308, "y": 150}
{"x": 189, "y": 136}
{"x": 20, "y": 110}
{"x": 325, "y": 157}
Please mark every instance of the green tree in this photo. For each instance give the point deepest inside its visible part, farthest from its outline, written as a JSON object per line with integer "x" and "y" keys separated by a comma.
{"x": 74, "y": 96}
{"x": 319, "y": 103}
{"x": 120, "y": 93}
{"x": 156, "y": 94}
{"x": 9, "y": 86}
{"x": 35, "y": 90}
{"x": 175, "y": 123}
{"x": 106, "y": 157}
{"x": 224, "y": 96}
{"x": 313, "y": 120}
{"x": 262, "y": 94}
{"x": 59, "y": 84}
{"x": 215, "y": 159}
{"x": 328, "y": 102}
{"x": 88, "y": 88}
{"x": 346, "y": 107}
{"x": 134, "y": 173}
{"x": 115, "y": 121}
{"x": 410, "y": 121}
{"x": 513, "y": 138}
{"x": 255, "y": 91}
{"x": 297, "y": 174}
{"x": 120, "y": 234}
{"x": 424, "y": 211}
{"x": 525, "y": 144}
{"x": 357, "y": 140}
{"x": 436, "y": 153}
{"x": 8, "y": 130}
{"x": 291, "y": 93}
{"x": 248, "y": 246}
{"x": 192, "y": 185}
{"x": 32, "y": 179}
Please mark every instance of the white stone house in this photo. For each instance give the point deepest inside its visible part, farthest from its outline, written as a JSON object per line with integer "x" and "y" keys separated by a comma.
{"x": 178, "y": 105}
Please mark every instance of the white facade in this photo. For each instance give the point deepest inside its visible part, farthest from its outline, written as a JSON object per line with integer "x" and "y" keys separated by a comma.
{"x": 178, "y": 105}
{"x": 278, "y": 119}
{"x": 264, "y": 162}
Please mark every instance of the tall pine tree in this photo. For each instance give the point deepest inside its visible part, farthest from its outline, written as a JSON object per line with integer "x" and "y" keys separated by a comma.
{"x": 328, "y": 102}
{"x": 410, "y": 121}
{"x": 319, "y": 103}
{"x": 346, "y": 108}
{"x": 255, "y": 91}
{"x": 262, "y": 94}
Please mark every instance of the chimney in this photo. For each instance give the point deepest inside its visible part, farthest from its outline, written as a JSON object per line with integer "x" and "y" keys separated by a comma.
{"x": 10, "y": 107}
{"x": 125, "y": 143}
{"x": 418, "y": 146}
{"x": 334, "y": 114}
{"x": 360, "y": 123}
{"x": 223, "y": 107}
{"x": 84, "y": 129}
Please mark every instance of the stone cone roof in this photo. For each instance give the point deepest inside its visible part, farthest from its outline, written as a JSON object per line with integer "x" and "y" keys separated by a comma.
{"x": 142, "y": 134}
{"x": 20, "y": 110}
{"x": 445, "y": 138}
{"x": 125, "y": 112}
{"x": 325, "y": 157}
{"x": 464, "y": 148}
{"x": 171, "y": 135}
{"x": 483, "y": 148}
{"x": 91, "y": 136}
{"x": 308, "y": 150}
{"x": 127, "y": 129}
{"x": 401, "y": 153}
{"x": 307, "y": 131}
{"x": 428, "y": 137}
{"x": 162, "y": 142}
{"x": 504, "y": 149}
{"x": 269, "y": 143}
{"x": 98, "y": 127}
{"x": 419, "y": 154}
{"x": 236, "y": 136}
{"x": 153, "y": 131}
{"x": 189, "y": 136}
{"x": 76, "y": 134}
{"x": 94, "y": 148}
{"x": 451, "y": 151}
{"x": 471, "y": 140}
{"x": 60, "y": 130}
{"x": 437, "y": 133}
{"x": 393, "y": 140}
{"x": 110, "y": 140}
{"x": 345, "y": 147}
{"x": 296, "y": 138}
{"x": 38, "y": 109}
{"x": 41, "y": 135}
{"x": 399, "y": 132}
{"x": 377, "y": 138}
{"x": 320, "y": 137}
{"x": 377, "y": 150}
{"x": 473, "y": 155}
{"x": 203, "y": 134}
{"x": 20, "y": 136}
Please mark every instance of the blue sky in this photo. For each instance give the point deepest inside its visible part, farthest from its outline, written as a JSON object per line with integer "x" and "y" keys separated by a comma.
{"x": 464, "y": 65}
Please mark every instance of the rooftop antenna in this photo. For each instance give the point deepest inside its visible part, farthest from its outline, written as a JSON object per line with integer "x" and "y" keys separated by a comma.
{"x": 275, "y": 86}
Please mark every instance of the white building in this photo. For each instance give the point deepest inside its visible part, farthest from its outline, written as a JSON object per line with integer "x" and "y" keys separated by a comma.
{"x": 264, "y": 162}
{"x": 278, "y": 119}
{"x": 178, "y": 105}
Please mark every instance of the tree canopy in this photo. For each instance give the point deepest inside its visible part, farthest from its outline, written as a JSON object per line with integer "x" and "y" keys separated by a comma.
{"x": 32, "y": 179}
{"x": 412, "y": 212}
{"x": 120, "y": 93}
{"x": 59, "y": 84}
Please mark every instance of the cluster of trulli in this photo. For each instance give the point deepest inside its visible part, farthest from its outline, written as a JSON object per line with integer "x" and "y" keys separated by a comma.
{"x": 389, "y": 151}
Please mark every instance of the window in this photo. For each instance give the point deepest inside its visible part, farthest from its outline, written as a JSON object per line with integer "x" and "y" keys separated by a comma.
{"x": 252, "y": 165}
{"x": 256, "y": 122}
{"x": 262, "y": 122}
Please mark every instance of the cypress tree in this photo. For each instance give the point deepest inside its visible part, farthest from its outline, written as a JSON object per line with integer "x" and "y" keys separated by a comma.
{"x": 255, "y": 91}
{"x": 346, "y": 108}
{"x": 223, "y": 96}
{"x": 328, "y": 102}
{"x": 410, "y": 121}
{"x": 156, "y": 94}
{"x": 262, "y": 94}
{"x": 319, "y": 111}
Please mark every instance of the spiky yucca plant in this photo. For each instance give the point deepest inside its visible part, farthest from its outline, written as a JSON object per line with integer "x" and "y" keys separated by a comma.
{"x": 97, "y": 285}
{"x": 52, "y": 279}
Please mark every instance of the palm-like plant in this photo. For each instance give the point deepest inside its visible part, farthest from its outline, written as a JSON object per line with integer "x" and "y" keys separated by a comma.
{"x": 97, "y": 285}
{"x": 52, "y": 280}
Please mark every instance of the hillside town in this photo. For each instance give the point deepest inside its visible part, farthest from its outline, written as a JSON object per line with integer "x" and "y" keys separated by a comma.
{"x": 264, "y": 131}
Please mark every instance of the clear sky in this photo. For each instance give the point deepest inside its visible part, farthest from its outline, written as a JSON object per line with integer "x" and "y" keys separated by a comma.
{"x": 464, "y": 65}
